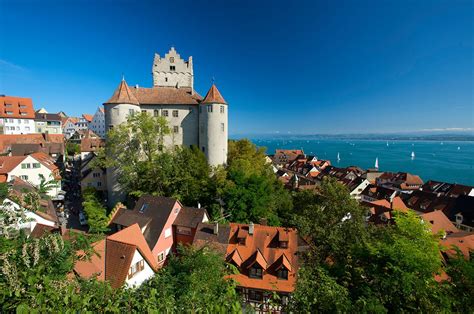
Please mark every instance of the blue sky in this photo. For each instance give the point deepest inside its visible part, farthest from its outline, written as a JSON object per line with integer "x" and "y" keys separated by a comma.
{"x": 299, "y": 66}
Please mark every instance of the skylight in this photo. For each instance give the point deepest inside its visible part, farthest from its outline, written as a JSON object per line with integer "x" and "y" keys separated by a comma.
{"x": 143, "y": 208}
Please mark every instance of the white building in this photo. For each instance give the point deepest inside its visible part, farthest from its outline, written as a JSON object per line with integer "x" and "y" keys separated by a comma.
{"x": 48, "y": 123}
{"x": 17, "y": 115}
{"x": 69, "y": 127}
{"x": 30, "y": 169}
{"x": 97, "y": 124}
{"x": 202, "y": 122}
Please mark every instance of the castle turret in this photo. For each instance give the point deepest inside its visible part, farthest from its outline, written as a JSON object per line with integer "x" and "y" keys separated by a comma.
{"x": 117, "y": 109}
{"x": 213, "y": 127}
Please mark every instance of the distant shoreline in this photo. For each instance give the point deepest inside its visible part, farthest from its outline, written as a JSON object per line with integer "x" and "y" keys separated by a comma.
{"x": 431, "y": 138}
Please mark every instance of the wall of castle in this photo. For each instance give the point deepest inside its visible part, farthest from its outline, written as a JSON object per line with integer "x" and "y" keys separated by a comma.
{"x": 172, "y": 69}
{"x": 213, "y": 133}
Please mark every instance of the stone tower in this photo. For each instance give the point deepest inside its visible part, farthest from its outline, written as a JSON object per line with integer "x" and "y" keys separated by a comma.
{"x": 213, "y": 127}
{"x": 122, "y": 104}
{"x": 172, "y": 71}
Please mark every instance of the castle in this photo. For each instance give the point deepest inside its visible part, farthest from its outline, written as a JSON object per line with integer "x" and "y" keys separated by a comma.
{"x": 193, "y": 120}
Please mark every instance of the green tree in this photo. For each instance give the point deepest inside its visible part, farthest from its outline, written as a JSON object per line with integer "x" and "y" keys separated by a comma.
{"x": 353, "y": 267}
{"x": 193, "y": 281}
{"x": 72, "y": 148}
{"x": 96, "y": 212}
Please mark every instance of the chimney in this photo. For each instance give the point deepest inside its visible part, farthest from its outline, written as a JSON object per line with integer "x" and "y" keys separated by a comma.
{"x": 216, "y": 228}
{"x": 263, "y": 221}
{"x": 199, "y": 205}
{"x": 251, "y": 228}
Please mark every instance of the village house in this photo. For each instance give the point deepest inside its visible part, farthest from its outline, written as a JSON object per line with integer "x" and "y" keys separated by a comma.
{"x": 97, "y": 124}
{"x": 266, "y": 257}
{"x": 372, "y": 193}
{"x": 17, "y": 115}
{"x": 49, "y": 123}
{"x": 447, "y": 189}
{"x": 401, "y": 181}
{"x": 122, "y": 258}
{"x": 38, "y": 220}
{"x": 26, "y": 144}
{"x": 156, "y": 216}
{"x": 284, "y": 157}
{"x": 69, "y": 126}
{"x": 93, "y": 176}
{"x": 31, "y": 168}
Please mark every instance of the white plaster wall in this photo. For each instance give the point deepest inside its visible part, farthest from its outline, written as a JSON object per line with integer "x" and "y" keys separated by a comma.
{"x": 211, "y": 136}
{"x": 98, "y": 123}
{"x": 141, "y": 276}
{"x": 18, "y": 126}
{"x": 33, "y": 174}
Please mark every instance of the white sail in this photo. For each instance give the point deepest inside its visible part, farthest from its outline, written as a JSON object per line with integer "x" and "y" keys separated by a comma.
{"x": 412, "y": 155}
{"x": 377, "y": 163}
{"x": 338, "y": 157}
{"x": 387, "y": 144}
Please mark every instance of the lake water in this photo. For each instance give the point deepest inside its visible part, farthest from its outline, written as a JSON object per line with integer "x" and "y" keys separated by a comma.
{"x": 443, "y": 161}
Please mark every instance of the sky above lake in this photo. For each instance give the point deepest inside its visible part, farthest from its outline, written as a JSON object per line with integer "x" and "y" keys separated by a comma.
{"x": 283, "y": 66}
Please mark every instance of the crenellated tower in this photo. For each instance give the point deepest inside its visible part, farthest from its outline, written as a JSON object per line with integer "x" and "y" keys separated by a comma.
{"x": 172, "y": 70}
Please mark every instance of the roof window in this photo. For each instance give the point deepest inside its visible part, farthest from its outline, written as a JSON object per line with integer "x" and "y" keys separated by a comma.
{"x": 143, "y": 208}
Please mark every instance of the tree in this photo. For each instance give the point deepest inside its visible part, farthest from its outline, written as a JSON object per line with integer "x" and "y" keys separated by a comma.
{"x": 96, "y": 212}
{"x": 357, "y": 268}
{"x": 72, "y": 148}
{"x": 193, "y": 281}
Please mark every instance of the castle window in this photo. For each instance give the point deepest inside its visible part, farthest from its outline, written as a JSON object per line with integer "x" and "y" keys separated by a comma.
{"x": 222, "y": 127}
{"x": 172, "y": 68}
{"x": 176, "y": 129}
{"x": 203, "y": 149}
{"x": 175, "y": 113}
{"x": 143, "y": 111}
{"x": 166, "y": 79}
{"x": 165, "y": 113}
{"x": 156, "y": 113}
{"x": 222, "y": 109}
{"x": 209, "y": 108}
{"x": 171, "y": 59}
{"x": 131, "y": 112}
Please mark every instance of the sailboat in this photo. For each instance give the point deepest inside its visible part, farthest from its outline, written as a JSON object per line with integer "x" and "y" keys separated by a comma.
{"x": 338, "y": 157}
{"x": 459, "y": 147}
{"x": 412, "y": 155}
{"x": 387, "y": 144}
{"x": 377, "y": 163}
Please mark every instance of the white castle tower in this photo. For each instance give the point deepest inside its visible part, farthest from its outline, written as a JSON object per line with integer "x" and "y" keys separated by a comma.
{"x": 213, "y": 127}
{"x": 193, "y": 121}
{"x": 122, "y": 103}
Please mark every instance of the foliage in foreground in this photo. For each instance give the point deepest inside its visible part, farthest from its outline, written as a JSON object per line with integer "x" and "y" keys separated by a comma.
{"x": 351, "y": 267}
{"x": 96, "y": 212}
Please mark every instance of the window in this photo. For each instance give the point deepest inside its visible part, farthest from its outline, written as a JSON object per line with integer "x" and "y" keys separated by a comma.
{"x": 283, "y": 244}
{"x": 176, "y": 129}
{"x": 99, "y": 184}
{"x": 161, "y": 257}
{"x": 131, "y": 112}
{"x": 209, "y": 108}
{"x": 36, "y": 165}
{"x": 135, "y": 268}
{"x": 96, "y": 175}
{"x": 168, "y": 233}
{"x": 171, "y": 59}
{"x": 222, "y": 109}
{"x": 115, "y": 111}
{"x": 25, "y": 166}
{"x": 143, "y": 111}
{"x": 156, "y": 113}
{"x": 183, "y": 230}
{"x": 282, "y": 273}
{"x": 255, "y": 295}
{"x": 222, "y": 127}
{"x": 175, "y": 113}
{"x": 143, "y": 208}
{"x": 165, "y": 113}
{"x": 166, "y": 79}
{"x": 172, "y": 68}
{"x": 24, "y": 177}
{"x": 203, "y": 149}
{"x": 255, "y": 272}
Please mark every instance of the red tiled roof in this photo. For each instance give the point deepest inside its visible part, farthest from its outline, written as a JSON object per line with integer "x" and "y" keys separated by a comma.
{"x": 123, "y": 95}
{"x": 116, "y": 254}
{"x": 166, "y": 95}
{"x": 88, "y": 117}
{"x": 438, "y": 222}
{"x": 8, "y": 163}
{"x": 16, "y": 107}
{"x": 7, "y": 140}
{"x": 213, "y": 96}
{"x": 463, "y": 240}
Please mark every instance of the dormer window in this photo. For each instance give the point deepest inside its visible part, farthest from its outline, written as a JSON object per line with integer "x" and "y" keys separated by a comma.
{"x": 256, "y": 271}
{"x": 143, "y": 208}
{"x": 282, "y": 273}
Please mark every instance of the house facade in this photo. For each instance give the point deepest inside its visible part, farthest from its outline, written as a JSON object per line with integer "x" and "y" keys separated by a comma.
{"x": 17, "y": 115}
{"x": 97, "y": 125}
{"x": 49, "y": 123}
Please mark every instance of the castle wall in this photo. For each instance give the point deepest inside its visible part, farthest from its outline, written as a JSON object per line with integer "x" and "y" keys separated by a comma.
{"x": 213, "y": 133}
